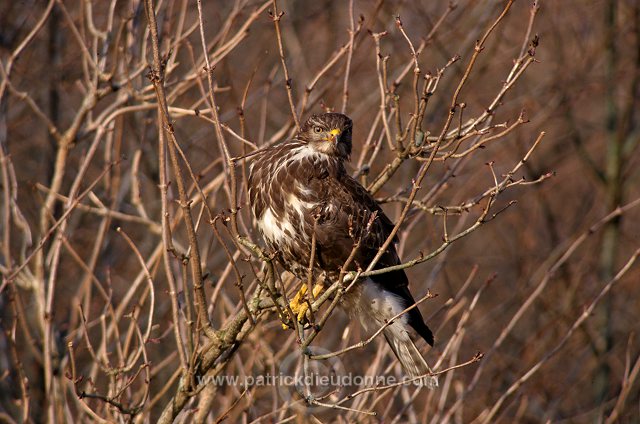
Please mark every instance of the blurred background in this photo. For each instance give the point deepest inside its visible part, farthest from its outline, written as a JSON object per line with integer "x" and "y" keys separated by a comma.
{"x": 78, "y": 112}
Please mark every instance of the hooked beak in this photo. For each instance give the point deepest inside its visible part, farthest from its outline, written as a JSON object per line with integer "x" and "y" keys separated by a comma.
{"x": 333, "y": 135}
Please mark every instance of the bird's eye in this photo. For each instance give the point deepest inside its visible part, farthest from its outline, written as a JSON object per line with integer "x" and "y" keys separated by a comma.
{"x": 317, "y": 129}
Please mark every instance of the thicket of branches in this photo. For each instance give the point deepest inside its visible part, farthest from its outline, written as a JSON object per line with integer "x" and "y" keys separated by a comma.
{"x": 500, "y": 137}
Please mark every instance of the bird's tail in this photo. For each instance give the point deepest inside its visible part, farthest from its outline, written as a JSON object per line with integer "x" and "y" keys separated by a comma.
{"x": 410, "y": 357}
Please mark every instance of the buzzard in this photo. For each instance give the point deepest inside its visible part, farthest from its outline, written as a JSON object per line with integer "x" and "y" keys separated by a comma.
{"x": 301, "y": 187}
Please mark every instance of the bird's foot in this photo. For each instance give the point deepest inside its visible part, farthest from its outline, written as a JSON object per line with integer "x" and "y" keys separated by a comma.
{"x": 300, "y": 305}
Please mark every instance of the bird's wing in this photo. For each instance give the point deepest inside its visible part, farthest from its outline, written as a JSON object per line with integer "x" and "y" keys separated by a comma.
{"x": 367, "y": 206}
{"x": 357, "y": 214}
{"x": 349, "y": 213}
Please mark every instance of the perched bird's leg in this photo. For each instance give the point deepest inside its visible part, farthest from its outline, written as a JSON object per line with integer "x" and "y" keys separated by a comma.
{"x": 299, "y": 305}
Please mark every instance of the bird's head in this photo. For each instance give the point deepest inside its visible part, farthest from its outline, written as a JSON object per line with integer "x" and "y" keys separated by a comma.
{"x": 328, "y": 133}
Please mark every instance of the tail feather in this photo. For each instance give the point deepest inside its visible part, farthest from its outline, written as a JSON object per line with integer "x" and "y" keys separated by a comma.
{"x": 410, "y": 357}
{"x": 375, "y": 302}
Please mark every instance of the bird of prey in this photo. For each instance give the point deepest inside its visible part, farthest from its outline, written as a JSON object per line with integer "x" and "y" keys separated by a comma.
{"x": 301, "y": 187}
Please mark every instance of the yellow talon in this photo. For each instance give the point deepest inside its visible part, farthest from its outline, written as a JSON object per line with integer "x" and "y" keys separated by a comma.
{"x": 298, "y": 299}
{"x": 299, "y": 306}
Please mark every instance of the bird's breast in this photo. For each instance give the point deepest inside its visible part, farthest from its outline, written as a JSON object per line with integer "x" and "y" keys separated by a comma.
{"x": 285, "y": 218}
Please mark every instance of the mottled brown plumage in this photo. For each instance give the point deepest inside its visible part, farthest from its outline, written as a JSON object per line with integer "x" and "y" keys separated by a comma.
{"x": 302, "y": 184}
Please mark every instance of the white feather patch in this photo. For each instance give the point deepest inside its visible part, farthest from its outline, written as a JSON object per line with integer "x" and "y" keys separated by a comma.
{"x": 298, "y": 205}
{"x": 273, "y": 229}
{"x": 302, "y": 152}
